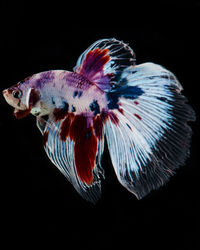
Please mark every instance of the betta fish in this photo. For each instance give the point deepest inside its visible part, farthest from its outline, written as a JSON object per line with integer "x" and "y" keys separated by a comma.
{"x": 138, "y": 109}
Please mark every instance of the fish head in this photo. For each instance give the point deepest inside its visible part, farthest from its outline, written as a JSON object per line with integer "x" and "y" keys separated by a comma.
{"x": 22, "y": 97}
{"x": 13, "y": 96}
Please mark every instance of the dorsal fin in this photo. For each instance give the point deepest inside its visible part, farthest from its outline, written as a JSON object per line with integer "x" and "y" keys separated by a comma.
{"x": 104, "y": 61}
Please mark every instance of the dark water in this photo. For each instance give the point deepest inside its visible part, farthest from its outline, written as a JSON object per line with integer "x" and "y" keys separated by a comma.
{"x": 36, "y": 200}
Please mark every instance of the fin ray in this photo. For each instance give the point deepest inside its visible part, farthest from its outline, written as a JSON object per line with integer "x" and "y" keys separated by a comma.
{"x": 103, "y": 59}
{"x": 61, "y": 153}
{"x": 152, "y": 137}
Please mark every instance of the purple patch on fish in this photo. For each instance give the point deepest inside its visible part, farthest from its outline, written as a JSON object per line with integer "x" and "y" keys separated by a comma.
{"x": 44, "y": 78}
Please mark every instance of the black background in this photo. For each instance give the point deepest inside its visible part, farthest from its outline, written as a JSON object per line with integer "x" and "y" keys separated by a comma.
{"x": 36, "y": 200}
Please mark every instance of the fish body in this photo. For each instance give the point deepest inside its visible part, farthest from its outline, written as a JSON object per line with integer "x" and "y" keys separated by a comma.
{"x": 62, "y": 86}
{"x": 139, "y": 109}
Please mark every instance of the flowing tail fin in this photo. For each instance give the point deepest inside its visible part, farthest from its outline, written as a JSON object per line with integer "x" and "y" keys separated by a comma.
{"x": 152, "y": 137}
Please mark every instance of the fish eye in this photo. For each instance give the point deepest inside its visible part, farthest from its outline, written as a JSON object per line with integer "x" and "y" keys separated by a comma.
{"x": 16, "y": 94}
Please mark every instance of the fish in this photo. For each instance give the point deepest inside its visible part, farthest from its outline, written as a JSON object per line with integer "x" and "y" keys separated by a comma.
{"x": 138, "y": 110}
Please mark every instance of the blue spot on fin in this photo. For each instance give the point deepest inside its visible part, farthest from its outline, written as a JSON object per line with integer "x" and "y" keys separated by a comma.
{"x": 128, "y": 92}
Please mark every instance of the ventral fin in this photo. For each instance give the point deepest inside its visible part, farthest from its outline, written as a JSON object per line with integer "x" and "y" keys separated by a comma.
{"x": 75, "y": 148}
{"x": 104, "y": 61}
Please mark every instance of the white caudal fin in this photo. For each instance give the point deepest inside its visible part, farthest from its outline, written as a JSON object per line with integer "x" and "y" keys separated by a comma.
{"x": 152, "y": 137}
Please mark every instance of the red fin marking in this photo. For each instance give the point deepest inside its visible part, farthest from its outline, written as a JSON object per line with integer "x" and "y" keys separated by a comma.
{"x": 136, "y": 102}
{"x": 138, "y": 116}
{"x": 45, "y": 138}
{"x": 98, "y": 126}
{"x": 114, "y": 119}
{"x": 80, "y": 130}
{"x": 98, "y": 123}
{"x": 65, "y": 127}
{"x": 121, "y": 110}
{"x": 94, "y": 62}
{"x": 85, "y": 148}
{"x": 100, "y": 120}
